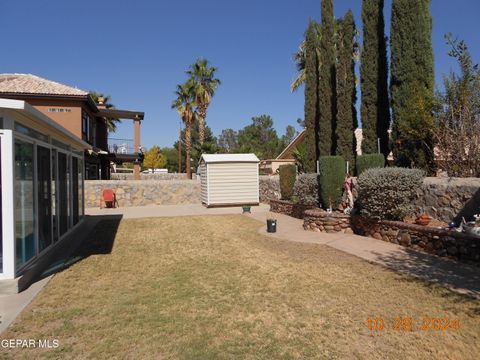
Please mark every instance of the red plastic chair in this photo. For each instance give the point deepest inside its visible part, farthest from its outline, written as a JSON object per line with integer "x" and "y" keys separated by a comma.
{"x": 109, "y": 198}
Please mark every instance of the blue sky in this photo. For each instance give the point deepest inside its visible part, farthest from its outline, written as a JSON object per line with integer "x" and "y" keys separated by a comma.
{"x": 137, "y": 51}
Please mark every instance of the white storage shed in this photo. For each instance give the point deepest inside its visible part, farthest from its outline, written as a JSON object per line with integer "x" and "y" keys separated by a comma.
{"x": 229, "y": 179}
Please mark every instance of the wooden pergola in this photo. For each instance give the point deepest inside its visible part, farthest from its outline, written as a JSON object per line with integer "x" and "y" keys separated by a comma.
{"x": 137, "y": 117}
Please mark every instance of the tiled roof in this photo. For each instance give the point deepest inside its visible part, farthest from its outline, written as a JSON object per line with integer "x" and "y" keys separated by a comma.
{"x": 32, "y": 84}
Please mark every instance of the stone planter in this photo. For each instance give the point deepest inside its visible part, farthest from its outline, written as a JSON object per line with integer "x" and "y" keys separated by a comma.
{"x": 289, "y": 208}
{"x": 322, "y": 221}
{"x": 440, "y": 242}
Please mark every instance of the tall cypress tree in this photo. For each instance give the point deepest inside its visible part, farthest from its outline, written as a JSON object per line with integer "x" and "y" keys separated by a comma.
{"x": 311, "y": 99}
{"x": 375, "y": 109}
{"x": 412, "y": 83}
{"x": 326, "y": 85}
{"x": 346, "y": 89}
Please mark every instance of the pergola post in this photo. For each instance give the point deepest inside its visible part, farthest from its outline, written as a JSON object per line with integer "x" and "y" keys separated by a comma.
{"x": 136, "y": 144}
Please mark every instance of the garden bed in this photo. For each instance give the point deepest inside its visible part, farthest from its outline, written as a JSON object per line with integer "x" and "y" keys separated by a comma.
{"x": 289, "y": 208}
{"x": 322, "y": 221}
{"x": 437, "y": 241}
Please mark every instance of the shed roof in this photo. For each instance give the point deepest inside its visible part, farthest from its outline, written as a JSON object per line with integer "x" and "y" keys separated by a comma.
{"x": 226, "y": 158}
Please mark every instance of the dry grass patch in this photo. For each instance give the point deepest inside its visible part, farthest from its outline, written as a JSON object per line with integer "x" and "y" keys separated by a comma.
{"x": 212, "y": 287}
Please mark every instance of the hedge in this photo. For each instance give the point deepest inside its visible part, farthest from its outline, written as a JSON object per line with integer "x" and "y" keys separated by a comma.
{"x": 288, "y": 174}
{"x": 332, "y": 178}
{"x": 369, "y": 161}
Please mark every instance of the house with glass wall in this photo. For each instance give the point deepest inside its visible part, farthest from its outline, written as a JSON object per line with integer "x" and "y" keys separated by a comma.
{"x": 41, "y": 179}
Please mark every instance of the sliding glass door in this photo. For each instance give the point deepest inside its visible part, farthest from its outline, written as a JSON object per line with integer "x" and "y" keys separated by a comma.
{"x": 62, "y": 192}
{"x": 75, "y": 189}
{"x": 24, "y": 203}
{"x": 44, "y": 196}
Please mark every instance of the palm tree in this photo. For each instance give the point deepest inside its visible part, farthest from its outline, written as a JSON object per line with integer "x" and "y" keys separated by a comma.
{"x": 205, "y": 82}
{"x": 185, "y": 104}
{"x": 299, "y": 59}
{"x": 111, "y": 123}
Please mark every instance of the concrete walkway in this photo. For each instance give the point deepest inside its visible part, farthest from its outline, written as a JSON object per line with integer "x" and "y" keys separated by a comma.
{"x": 173, "y": 210}
{"x": 12, "y": 305}
{"x": 456, "y": 276}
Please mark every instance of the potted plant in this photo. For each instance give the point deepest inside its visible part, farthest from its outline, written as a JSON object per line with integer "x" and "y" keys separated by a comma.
{"x": 423, "y": 219}
{"x": 271, "y": 223}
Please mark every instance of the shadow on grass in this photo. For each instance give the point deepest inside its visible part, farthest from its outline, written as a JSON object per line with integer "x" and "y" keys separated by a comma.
{"x": 434, "y": 270}
{"x": 97, "y": 238}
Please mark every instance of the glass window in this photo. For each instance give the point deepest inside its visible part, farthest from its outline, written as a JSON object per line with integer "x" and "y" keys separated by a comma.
{"x": 94, "y": 132}
{"x": 62, "y": 193}
{"x": 24, "y": 204}
{"x": 60, "y": 144}
{"x": 30, "y": 132}
{"x": 85, "y": 126}
{"x": 75, "y": 190}
{"x": 44, "y": 196}
{"x": 55, "y": 216}
{"x": 80, "y": 188}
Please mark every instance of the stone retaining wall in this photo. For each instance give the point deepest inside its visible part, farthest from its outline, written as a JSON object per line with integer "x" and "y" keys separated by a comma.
{"x": 322, "y": 221}
{"x": 157, "y": 176}
{"x": 144, "y": 192}
{"x": 289, "y": 208}
{"x": 445, "y": 198}
{"x": 432, "y": 240}
{"x": 441, "y": 198}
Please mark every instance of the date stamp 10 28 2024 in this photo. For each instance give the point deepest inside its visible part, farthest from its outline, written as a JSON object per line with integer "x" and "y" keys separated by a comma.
{"x": 407, "y": 323}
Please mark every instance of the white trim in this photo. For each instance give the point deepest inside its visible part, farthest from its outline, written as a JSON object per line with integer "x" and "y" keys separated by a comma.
{"x": 227, "y": 158}
{"x": 208, "y": 183}
{"x": 8, "y": 213}
{"x": 258, "y": 184}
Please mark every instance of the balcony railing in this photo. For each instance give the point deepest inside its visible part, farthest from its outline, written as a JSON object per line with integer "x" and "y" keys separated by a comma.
{"x": 121, "y": 146}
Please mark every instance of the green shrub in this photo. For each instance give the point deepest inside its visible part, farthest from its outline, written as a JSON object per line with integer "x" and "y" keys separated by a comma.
{"x": 387, "y": 193}
{"x": 332, "y": 177}
{"x": 369, "y": 161}
{"x": 288, "y": 174}
{"x": 306, "y": 189}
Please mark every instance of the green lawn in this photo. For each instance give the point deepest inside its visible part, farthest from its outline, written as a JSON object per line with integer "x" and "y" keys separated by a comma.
{"x": 212, "y": 287}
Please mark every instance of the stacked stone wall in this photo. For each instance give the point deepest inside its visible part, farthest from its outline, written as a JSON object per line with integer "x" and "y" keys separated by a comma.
{"x": 144, "y": 192}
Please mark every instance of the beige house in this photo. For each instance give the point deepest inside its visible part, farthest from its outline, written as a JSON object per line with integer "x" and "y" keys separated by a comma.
{"x": 270, "y": 167}
{"x": 75, "y": 110}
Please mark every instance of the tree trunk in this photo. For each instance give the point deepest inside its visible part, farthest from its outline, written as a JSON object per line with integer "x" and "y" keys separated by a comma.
{"x": 188, "y": 148}
{"x": 202, "y": 114}
{"x": 180, "y": 151}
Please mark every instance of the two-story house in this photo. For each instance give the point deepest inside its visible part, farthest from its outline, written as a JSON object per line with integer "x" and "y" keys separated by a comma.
{"x": 75, "y": 110}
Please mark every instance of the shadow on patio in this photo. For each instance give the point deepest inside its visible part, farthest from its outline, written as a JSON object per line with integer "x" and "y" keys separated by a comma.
{"x": 460, "y": 276}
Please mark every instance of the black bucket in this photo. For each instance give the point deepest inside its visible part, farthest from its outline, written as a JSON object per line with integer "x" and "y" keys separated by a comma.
{"x": 271, "y": 226}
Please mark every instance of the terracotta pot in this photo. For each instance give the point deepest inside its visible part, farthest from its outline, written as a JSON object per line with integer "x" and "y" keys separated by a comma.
{"x": 423, "y": 219}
